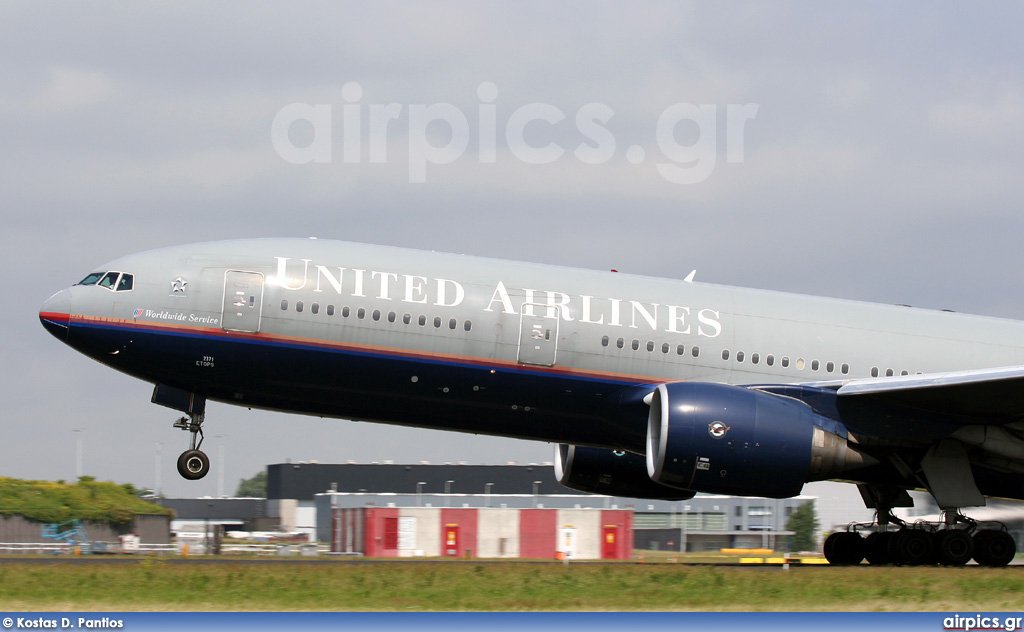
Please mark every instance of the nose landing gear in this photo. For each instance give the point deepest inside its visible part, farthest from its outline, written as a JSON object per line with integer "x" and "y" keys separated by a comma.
{"x": 193, "y": 464}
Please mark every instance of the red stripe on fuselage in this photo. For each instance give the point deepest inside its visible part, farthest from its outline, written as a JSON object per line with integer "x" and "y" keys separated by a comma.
{"x": 55, "y": 317}
{"x": 394, "y": 352}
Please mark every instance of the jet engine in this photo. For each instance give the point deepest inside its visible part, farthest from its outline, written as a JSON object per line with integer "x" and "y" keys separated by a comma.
{"x": 610, "y": 472}
{"x": 733, "y": 440}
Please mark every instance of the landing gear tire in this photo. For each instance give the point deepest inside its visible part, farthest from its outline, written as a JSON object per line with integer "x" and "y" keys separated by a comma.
{"x": 993, "y": 547}
{"x": 913, "y": 547}
{"x": 844, "y": 549}
{"x": 953, "y": 547}
{"x": 876, "y": 548}
{"x": 193, "y": 464}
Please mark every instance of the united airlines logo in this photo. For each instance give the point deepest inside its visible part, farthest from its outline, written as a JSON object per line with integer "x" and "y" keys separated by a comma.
{"x": 553, "y": 304}
{"x": 137, "y": 313}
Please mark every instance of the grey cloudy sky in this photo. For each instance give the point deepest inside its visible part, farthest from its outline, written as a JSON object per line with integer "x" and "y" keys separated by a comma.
{"x": 883, "y": 164}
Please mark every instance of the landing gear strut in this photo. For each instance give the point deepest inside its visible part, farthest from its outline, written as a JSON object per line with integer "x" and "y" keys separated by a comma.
{"x": 193, "y": 464}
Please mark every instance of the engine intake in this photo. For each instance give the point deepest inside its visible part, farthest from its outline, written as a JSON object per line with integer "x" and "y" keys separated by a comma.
{"x": 610, "y": 472}
{"x": 725, "y": 439}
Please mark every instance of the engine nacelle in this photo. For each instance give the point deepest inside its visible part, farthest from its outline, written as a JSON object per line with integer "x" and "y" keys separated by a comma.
{"x": 732, "y": 440}
{"x": 610, "y": 472}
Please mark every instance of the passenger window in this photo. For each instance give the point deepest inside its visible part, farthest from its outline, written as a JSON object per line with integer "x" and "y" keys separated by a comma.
{"x": 345, "y": 311}
{"x": 376, "y": 315}
{"x": 830, "y": 367}
{"x": 814, "y": 365}
{"x": 452, "y": 324}
{"x": 437, "y": 322}
{"x": 284, "y": 305}
{"x": 888, "y": 373}
{"x": 845, "y": 368}
{"x": 392, "y": 316}
{"x": 298, "y": 306}
{"x": 92, "y": 279}
{"x": 422, "y": 320}
{"x": 468, "y": 325}
{"x": 619, "y": 343}
{"x": 636, "y": 344}
{"x": 785, "y": 362}
{"x": 125, "y": 283}
{"x": 604, "y": 341}
{"x": 755, "y": 358}
{"x": 770, "y": 360}
{"x": 361, "y": 313}
{"x": 725, "y": 354}
{"x": 874, "y": 371}
{"x": 679, "y": 350}
{"x": 406, "y": 318}
{"x": 904, "y": 372}
{"x": 650, "y": 346}
{"x": 800, "y": 364}
{"x": 330, "y": 310}
{"x": 315, "y": 308}
{"x": 695, "y": 351}
{"x": 740, "y": 356}
{"x": 665, "y": 348}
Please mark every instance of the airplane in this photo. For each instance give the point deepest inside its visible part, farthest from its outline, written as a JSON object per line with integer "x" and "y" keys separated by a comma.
{"x": 649, "y": 387}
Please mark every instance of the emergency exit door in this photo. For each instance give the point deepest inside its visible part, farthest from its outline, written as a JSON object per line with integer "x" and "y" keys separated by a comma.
{"x": 243, "y": 301}
{"x": 538, "y": 334}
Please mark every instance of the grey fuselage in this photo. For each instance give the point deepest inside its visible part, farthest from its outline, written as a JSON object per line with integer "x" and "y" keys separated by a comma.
{"x": 479, "y": 345}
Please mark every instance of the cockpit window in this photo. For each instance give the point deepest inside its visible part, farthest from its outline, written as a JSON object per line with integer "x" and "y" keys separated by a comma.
{"x": 92, "y": 278}
{"x": 109, "y": 280}
{"x": 125, "y": 283}
{"x": 113, "y": 281}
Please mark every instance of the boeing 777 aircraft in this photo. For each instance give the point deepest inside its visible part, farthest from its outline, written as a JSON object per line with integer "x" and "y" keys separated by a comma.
{"x": 652, "y": 388}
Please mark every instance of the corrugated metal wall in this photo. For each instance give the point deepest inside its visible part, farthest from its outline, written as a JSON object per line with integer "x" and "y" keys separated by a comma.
{"x": 152, "y": 529}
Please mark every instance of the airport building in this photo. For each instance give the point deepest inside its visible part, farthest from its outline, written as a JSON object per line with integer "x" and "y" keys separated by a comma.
{"x": 407, "y": 510}
{"x": 511, "y": 498}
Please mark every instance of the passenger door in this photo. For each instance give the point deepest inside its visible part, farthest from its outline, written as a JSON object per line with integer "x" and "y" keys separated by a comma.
{"x": 243, "y": 301}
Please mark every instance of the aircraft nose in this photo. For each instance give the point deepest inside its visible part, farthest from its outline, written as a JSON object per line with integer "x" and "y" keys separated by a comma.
{"x": 55, "y": 314}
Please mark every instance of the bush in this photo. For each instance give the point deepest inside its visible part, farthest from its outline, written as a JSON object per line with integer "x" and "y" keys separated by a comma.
{"x": 88, "y": 499}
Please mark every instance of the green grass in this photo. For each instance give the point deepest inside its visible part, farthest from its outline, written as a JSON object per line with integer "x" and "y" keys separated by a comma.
{"x": 155, "y": 584}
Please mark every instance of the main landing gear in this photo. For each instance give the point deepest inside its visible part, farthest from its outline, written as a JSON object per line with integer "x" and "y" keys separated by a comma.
{"x": 193, "y": 463}
{"x": 952, "y": 542}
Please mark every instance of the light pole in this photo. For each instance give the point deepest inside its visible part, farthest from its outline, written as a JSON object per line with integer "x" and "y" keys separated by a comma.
{"x": 220, "y": 466}
{"x": 682, "y": 539}
{"x": 536, "y": 485}
{"x": 156, "y": 472}
{"x": 78, "y": 451}
{"x": 419, "y": 493}
{"x": 447, "y": 493}
{"x": 487, "y": 491}
{"x": 206, "y": 545}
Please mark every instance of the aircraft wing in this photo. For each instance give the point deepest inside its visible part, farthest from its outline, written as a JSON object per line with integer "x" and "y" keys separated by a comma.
{"x": 985, "y": 396}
